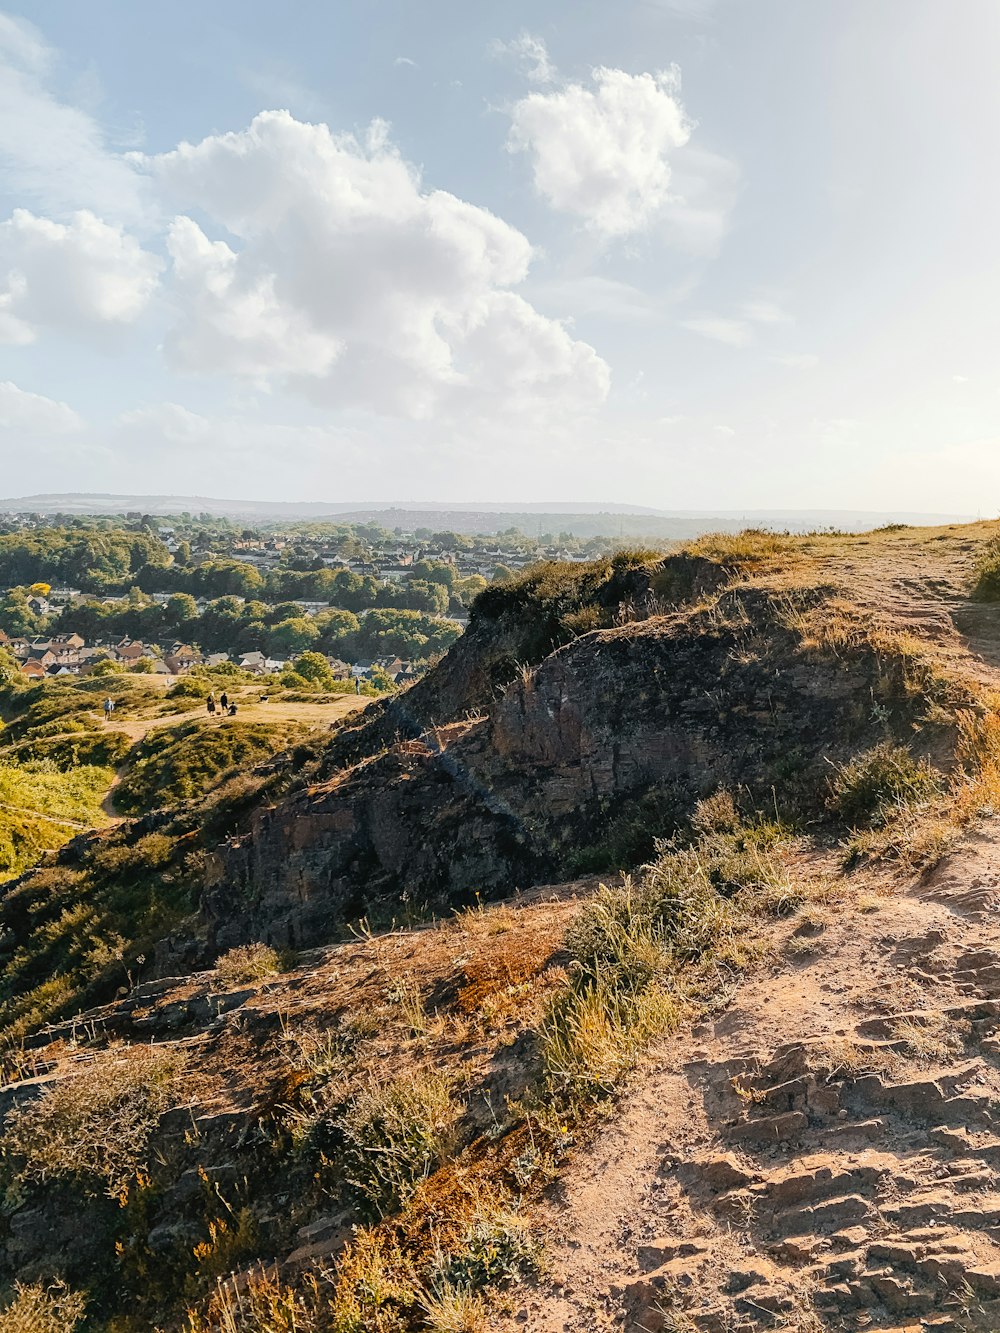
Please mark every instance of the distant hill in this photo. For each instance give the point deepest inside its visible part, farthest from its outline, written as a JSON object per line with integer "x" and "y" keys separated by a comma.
{"x": 580, "y": 519}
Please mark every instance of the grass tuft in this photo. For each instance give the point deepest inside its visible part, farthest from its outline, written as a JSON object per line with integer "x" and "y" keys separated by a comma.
{"x": 247, "y": 963}
{"x": 94, "y": 1127}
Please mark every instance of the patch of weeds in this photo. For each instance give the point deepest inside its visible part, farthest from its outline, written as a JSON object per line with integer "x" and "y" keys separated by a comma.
{"x": 248, "y": 963}
{"x": 43, "y": 1309}
{"x": 642, "y": 949}
{"x": 592, "y": 1034}
{"x": 260, "y": 1304}
{"x": 871, "y": 787}
{"x": 393, "y": 1136}
{"x": 847, "y": 1058}
{"x": 987, "y": 585}
{"x": 94, "y": 1126}
{"x": 451, "y": 1309}
{"x": 497, "y": 1247}
{"x": 914, "y": 839}
{"x": 374, "y": 1285}
{"x": 934, "y": 1037}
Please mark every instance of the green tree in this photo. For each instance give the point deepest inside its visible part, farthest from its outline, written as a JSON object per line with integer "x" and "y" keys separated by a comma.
{"x": 314, "y": 668}
{"x": 16, "y": 616}
{"x": 10, "y": 672}
{"x": 291, "y": 637}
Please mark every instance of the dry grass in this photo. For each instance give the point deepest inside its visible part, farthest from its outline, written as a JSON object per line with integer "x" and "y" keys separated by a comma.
{"x": 931, "y": 1038}
{"x": 260, "y": 1304}
{"x": 248, "y": 963}
{"x": 43, "y": 1309}
{"x": 394, "y": 1135}
{"x": 95, "y": 1126}
{"x": 454, "y": 1310}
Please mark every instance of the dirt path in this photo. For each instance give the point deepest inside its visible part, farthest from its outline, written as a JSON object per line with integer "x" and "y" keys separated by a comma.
{"x": 320, "y": 716}
{"x": 825, "y": 1147}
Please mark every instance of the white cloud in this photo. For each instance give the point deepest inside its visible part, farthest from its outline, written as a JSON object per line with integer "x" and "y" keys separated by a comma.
{"x": 354, "y": 284}
{"x": 69, "y": 276}
{"x": 50, "y": 151}
{"x": 233, "y": 319}
{"x": 33, "y": 414}
{"x": 603, "y": 153}
{"x": 960, "y": 379}
{"x": 732, "y": 332}
{"x": 530, "y": 55}
{"x": 405, "y": 60}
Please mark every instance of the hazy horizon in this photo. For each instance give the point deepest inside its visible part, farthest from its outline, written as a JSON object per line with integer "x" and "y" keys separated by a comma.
{"x": 720, "y": 257}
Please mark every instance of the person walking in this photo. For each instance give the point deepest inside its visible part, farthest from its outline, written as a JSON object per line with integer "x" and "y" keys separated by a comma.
{"x": 109, "y": 708}
{"x": 224, "y": 701}
{"x": 210, "y": 704}
{"x": 357, "y": 685}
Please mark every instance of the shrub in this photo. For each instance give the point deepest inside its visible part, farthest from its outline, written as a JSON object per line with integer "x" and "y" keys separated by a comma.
{"x": 450, "y": 1309}
{"x": 94, "y": 1127}
{"x": 108, "y": 667}
{"x": 247, "y": 962}
{"x": 987, "y": 585}
{"x": 393, "y": 1135}
{"x": 41, "y": 1309}
{"x": 190, "y": 687}
{"x": 592, "y": 1034}
{"x": 874, "y": 785}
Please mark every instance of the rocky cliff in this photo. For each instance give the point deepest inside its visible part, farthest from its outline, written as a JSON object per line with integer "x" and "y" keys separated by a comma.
{"x": 621, "y": 726}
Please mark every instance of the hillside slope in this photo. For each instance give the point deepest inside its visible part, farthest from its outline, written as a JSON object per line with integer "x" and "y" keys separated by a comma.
{"x": 751, "y": 1084}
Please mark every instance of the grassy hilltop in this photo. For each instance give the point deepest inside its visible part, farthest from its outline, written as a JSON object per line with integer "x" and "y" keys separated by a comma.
{"x": 635, "y": 967}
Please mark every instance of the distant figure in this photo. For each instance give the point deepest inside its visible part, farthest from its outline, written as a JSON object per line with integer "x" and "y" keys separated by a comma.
{"x": 224, "y": 701}
{"x": 232, "y": 710}
{"x": 357, "y": 685}
{"x": 109, "y": 708}
{"x": 210, "y": 705}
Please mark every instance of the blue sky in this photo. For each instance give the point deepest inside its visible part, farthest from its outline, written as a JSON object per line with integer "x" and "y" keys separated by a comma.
{"x": 687, "y": 253}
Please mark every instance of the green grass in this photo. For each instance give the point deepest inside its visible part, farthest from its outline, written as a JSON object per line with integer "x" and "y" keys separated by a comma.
{"x": 182, "y": 763}
{"x": 873, "y": 786}
{"x": 41, "y": 806}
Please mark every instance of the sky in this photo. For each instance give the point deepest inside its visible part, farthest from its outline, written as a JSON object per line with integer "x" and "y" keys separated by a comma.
{"x": 701, "y": 254}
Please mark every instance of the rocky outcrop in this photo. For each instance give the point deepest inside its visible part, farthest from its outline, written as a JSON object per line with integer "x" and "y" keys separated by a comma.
{"x": 671, "y": 707}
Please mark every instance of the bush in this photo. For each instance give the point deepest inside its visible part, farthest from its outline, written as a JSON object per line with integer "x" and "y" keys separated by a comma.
{"x": 40, "y": 1309}
{"x": 94, "y": 1127}
{"x": 872, "y": 786}
{"x": 190, "y": 687}
{"x": 393, "y": 1136}
{"x": 247, "y": 962}
{"x": 987, "y": 586}
{"x": 108, "y": 667}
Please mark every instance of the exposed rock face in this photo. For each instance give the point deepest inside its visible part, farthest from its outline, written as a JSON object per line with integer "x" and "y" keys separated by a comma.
{"x": 674, "y": 706}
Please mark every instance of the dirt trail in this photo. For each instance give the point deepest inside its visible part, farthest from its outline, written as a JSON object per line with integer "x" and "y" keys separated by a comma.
{"x": 318, "y": 715}
{"x": 828, "y": 1145}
